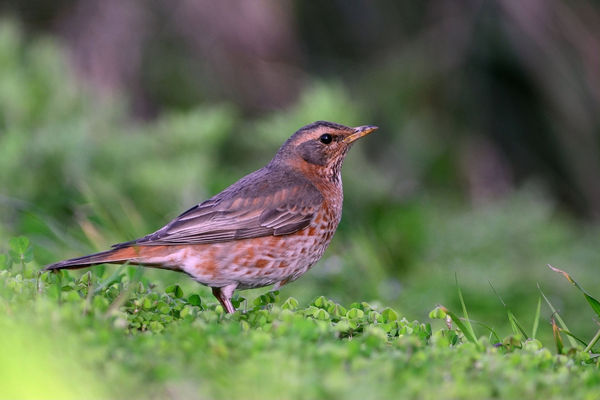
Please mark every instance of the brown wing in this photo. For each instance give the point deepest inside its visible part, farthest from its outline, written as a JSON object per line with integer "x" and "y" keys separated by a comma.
{"x": 261, "y": 204}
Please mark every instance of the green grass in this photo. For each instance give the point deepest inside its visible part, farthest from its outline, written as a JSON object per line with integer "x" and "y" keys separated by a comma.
{"x": 112, "y": 333}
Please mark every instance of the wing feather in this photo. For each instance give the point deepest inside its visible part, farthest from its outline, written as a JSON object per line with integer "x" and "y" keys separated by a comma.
{"x": 244, "y": 210}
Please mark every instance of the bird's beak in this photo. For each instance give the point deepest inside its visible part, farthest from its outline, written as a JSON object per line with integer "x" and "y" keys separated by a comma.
{"x": 360, "y": 132}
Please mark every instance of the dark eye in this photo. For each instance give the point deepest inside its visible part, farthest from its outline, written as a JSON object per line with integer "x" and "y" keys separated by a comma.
{"x": 325, "y": 138}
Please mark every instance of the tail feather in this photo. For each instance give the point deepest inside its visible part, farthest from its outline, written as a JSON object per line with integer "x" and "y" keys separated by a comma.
{"x": 114, "y": 256}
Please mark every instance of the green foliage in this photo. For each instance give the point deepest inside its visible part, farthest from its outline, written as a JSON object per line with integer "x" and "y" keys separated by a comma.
{"x": 140, "y": 341}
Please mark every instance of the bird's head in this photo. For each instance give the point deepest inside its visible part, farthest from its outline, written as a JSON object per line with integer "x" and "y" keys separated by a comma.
{"x": 320, "y": 147}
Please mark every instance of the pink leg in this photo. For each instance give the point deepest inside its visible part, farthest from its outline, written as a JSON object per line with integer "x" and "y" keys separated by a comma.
{"x": 279, "y": 284}
{"x": 223, "y": 294}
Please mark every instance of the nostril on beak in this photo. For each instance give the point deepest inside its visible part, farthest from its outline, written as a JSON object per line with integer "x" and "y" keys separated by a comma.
{"x": 359, "y": 132}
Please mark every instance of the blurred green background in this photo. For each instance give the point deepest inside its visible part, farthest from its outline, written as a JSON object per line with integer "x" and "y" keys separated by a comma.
{"x": 116, "y": 116}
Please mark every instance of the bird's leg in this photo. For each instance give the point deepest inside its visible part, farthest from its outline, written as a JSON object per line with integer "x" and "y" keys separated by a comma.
{"x": 279, "y": 284}
{"x": 223, "y": 294}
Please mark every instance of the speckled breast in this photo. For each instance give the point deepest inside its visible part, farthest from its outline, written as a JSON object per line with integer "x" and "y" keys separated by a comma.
{"x": 263, "y": 261}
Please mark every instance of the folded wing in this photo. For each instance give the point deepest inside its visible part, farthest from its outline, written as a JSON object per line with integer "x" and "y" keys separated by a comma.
{"x": 261, "y": 204}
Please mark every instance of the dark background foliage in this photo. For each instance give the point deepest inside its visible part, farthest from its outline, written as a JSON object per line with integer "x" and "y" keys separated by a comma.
{"x": 509, "y": 90}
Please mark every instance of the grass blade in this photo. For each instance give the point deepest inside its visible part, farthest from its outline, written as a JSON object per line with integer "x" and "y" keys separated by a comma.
{"x": 514, "y": 323}
{"x": 466, "y": 316}
{"x": 573, "y": 336}
{"x": 493, "y": 334}
{"x": 593, "y": 341}
{"x": 516, "y": 327}
{"x": 536, "y": 320}
{"x": 595, "y": 304}
{"x": 557, "y": 338}
{"x": 467, "y": 324}
{"x": 558, "y": 318}
{"x": 469, "y": 334}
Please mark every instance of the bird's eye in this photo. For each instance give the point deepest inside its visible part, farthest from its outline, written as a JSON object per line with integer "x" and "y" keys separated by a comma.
{"x": 325, "y": 138}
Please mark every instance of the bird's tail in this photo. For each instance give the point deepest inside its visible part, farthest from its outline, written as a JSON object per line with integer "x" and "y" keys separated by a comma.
{"x": 114, "y": 256}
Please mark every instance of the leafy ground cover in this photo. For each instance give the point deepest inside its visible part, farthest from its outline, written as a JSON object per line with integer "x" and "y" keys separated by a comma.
{"x": 111, "y": 333}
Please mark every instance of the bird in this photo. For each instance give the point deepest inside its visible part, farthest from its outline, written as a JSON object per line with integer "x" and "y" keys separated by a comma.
{"x": 266, "y": 229}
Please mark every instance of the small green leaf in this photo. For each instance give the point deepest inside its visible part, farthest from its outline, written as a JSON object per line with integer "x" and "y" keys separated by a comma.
{"x": 175, "y": 291}
{"x": 185, "y": 311}
{"x": 147, "y": 303}
{"x": 20, "y": 250}
{"x": 195, "y": 300}
{"x": 156, "y": 326}
{"x": 18, "y": 244}
{"x": 245, "y": 326}
{"x": 512, "y": 342}
{"x": 532, "y": 345}
{"x": 163, "y": 308}
{"x": 260, "y": 301}
{"x": 337, "y": 310}
{"x": 389, "y": 315}
{"x": 321, "y": 314}
{"x": 437, "y": 313}
{"x": 374, "y": 317}
{"x": 320, "y": 302}
{"x": 355, "y": 313}
{"x": 290, "y": 304}
{"x": 343, "y": 326}
{"x": 272, "y": 296}
{"x": 258, "y": 317}
{"x": 237, "y": 300}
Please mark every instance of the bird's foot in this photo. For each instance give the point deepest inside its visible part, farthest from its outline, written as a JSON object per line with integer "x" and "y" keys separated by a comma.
{"x": 223, "y": 294}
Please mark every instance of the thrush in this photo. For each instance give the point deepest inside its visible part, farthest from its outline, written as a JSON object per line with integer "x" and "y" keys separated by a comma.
{"x": 268, "y": 228}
